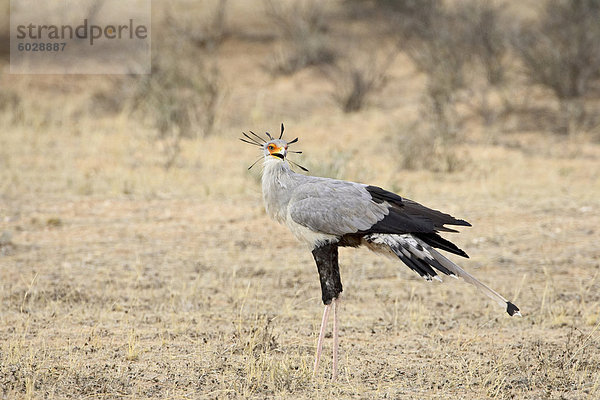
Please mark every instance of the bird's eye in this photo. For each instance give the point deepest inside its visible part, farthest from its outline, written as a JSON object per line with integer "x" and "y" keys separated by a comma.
{"x": 271, "y": 147}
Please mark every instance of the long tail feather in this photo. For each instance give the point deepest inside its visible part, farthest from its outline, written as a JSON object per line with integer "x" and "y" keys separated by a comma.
{"x": 511, "y": 309}
{"x": 422, "y": 258}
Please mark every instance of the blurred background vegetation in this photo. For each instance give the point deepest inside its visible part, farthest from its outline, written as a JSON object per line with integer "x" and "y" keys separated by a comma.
{"x": 495, "y": 66}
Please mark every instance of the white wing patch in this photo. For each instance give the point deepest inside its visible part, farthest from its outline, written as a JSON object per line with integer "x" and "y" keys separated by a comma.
{"x": 412, "y": 251}
{"x": 422, "y": 258}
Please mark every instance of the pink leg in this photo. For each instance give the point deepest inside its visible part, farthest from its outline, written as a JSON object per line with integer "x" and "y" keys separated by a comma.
{"x": 335, "y": 339}
{"x": 321, "y": 337}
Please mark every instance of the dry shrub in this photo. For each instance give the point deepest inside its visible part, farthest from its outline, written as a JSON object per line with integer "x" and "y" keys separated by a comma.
{"x": 5, "y": 29}
{"x": 560, "y": 51}
{"x": 184, "y": 88}
{"x": 486, "y": 27}
{"x": 415, "y": 18}
{"x": 439, "y": 47}
{"x": 11, "y": 107}
{"x": 488, "y": 42}
{"x": 180, "y": 100}
{"x": 7, "y": 246}
{"x": 179, "y": 96}
{"x": 207, "y": 34}
{"x": 446, "y": 42}
{"x": 462, "y": 50}
{"x": 105, "y": 102}
{"x": 355, "y": 79}
{"x": 439, "y": 42}
{"x": 421, "y": 148}
{"x": 408, "y": 17}
{"x": 302, "y": 27}
{"x": 477, "y": 29}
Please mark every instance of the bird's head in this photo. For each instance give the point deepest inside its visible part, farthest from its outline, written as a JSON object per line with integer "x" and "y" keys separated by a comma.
{"x": 276, "y": 148}
{"x": 273, "y": 148}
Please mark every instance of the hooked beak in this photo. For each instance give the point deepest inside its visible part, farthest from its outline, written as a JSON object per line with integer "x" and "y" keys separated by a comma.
{"x": 279, "y": 152}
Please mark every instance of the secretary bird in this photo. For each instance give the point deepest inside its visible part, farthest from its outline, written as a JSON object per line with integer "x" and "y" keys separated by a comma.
{"x": 328, "y": 213}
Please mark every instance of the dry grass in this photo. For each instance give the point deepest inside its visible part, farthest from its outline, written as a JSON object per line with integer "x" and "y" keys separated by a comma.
{"x": 121, "y": 279}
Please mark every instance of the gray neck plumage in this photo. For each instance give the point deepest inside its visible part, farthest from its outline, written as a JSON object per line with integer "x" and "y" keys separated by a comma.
{"x": 277, "y": 184}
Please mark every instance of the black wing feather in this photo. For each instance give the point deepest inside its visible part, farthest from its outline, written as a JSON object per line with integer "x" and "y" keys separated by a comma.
{"x": 435, "y": 240}
{"x": 407, "y": 216}
{"x": 413, "y": 209}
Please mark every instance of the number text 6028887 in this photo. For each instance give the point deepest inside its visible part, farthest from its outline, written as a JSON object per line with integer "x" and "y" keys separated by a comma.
{"x": 41, "y": 46}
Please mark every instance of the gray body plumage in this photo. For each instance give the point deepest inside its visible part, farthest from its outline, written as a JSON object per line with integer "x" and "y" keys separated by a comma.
{"x": 322, "y": 210}
{"x": 328, "y": 208}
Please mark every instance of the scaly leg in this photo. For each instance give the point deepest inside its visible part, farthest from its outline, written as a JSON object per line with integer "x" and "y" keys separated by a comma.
{"x": 335, "y": 339}
{"x": 321, "y": 337}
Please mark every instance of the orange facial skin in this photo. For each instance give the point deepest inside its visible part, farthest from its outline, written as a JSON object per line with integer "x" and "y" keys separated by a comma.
{"x": 274, "y": 149}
